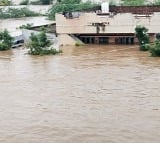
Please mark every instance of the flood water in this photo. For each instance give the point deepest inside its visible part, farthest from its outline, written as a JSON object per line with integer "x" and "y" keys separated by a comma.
{"x": 92, "y": 94}
{"x": 13, "y": 24}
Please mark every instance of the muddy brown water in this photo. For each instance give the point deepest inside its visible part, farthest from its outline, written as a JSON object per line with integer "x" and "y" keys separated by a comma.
{"x": 92, "y": 94}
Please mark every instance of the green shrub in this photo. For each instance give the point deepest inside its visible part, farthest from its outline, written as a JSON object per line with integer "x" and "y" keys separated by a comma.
{"x": 144, "y": 47}
{"x": 46, "y": 2}
{"x": 41, "y": 2}
{"x": 5, "y": 2}
{"x": 16, "y": 13}
{"x": 155, "y": 49}
{"x": 39, "y": 45}
{"x": 142, "y": 36}
{"x": 24, "y": 2}
{"x": 157, "y": 2}
{"x": 5, "y": 40}
{"x": 27, "y": 26}
{"x": 37, "y": 2}
{"x": 133, "y": 2}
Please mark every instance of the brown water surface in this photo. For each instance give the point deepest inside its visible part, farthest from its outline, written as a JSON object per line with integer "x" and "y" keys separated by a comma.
{"x": 94, "y": 94}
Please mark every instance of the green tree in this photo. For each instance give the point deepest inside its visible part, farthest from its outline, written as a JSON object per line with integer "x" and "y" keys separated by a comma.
{"x": 46, "y": 2}
{"x": 5, "y": 2}
{"x": 156, "y": 2}
{"x": 16, "y": 13}
{"x": 39, "y": 45}
{"x": 142, "y": 36}
{"x": 155, "y": 49}
{"x": 69, "y": 6}
{"x": 70, "y": 1}
{"x": 5, "y": 40}
{"x": 24, "y": 2}
{"x": 134, "y": 2}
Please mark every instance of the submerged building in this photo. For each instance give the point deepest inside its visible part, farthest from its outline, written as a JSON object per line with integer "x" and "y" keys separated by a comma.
{"x": 107, "y": 25}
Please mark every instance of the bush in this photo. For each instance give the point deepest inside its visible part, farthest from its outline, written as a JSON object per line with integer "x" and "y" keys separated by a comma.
{"x": 5, "y": 2}
{"x": 27, "y": 26}
{"x": 144, "y": 47}
{"x": 41, "y": 2}
{"x": 35, "y": 2}
{"x": 16, "y": 13}
{"x": 143, "y": 38}
{"x": 24, "y": 2}
{"x": 157, "y": 2}
{"x": 155, "y": 49}
{"x": 5, "y": 40}
{"x": 46, "y": 2}
{"x": 133, "y": 2}
{"x": 39, "y": 45}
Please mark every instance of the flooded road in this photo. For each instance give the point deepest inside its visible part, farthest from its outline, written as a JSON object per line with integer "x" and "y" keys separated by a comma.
{"x": 85, "y": 95}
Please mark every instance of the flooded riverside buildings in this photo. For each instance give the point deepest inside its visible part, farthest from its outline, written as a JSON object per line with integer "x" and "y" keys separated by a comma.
{"x": 107, "y": 24}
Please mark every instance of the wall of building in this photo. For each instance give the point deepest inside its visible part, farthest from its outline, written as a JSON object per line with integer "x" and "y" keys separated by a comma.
{"x": 83, "y": 24}
{"x": 119, "y": 23}
{"x": 65, "y": 39}
{"x": 135, "y": 9}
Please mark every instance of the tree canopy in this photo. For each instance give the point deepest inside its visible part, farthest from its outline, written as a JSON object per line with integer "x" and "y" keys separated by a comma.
{"x": 69, "y": 6}
{"x": 39, "y": 45}
{"x": 143, "y": 38}
{"x": 5, "y": 40}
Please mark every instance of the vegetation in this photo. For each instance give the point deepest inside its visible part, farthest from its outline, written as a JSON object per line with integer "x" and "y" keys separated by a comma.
{"x": 39, "y": 45}
{"x": 16, "y": 13}
{"x": 37, "y": 2}
{"x": 41, "y": 2}
{"x": 27, "y": 26}
{"x": 143, "y": 38}
{"x": 5, "y": 40}
{"x": 65, "y": 6}
{"x": 24, "y": 2}
{"x": 133, "y": 2}
{"x": 112, "y": 3}
{"x": 155, "y": 49}
{"x": 46, "y": 2}
{"x": 157, "y": 2}
{"x": 5, "y": 2}
{"x": 140, "y": 2}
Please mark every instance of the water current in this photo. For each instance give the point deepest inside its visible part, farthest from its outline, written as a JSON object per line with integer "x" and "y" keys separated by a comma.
{"x": 91, "y": 94}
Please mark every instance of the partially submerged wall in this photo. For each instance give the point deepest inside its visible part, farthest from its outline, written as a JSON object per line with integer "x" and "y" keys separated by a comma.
{"x": 119, "y": 23}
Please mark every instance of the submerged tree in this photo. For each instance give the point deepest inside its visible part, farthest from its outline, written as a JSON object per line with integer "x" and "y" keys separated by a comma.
{"x": 39, "y": 45}
{"x": 155, "y": 49}
{"x": 143, "y": 38}
{"x": 5, "y": 40}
